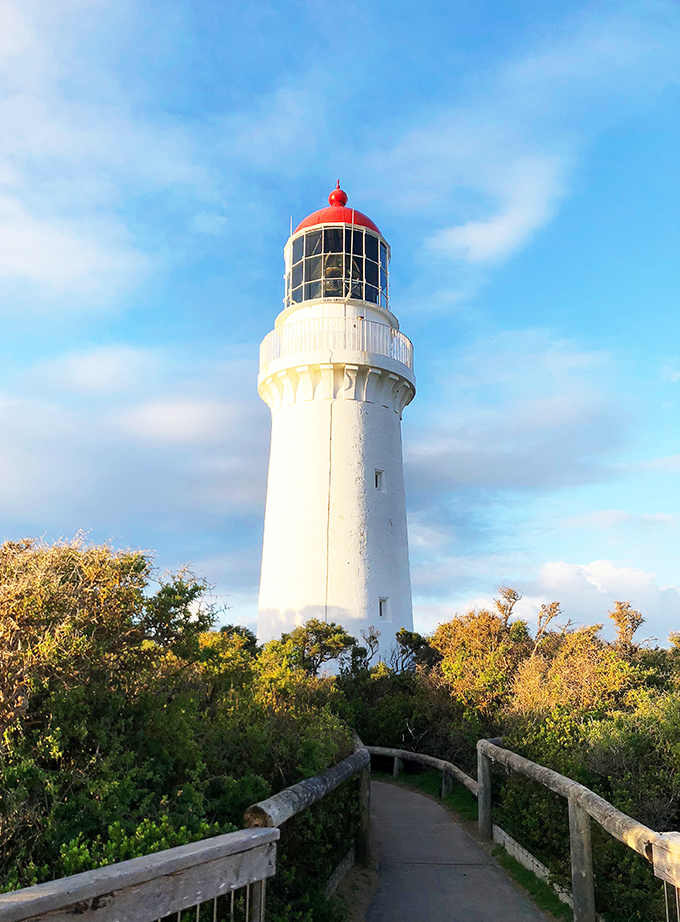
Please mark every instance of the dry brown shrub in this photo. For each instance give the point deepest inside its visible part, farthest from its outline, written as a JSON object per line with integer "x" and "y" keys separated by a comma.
{"x": 65, "y": 608}
{"x": 575, "y": 669}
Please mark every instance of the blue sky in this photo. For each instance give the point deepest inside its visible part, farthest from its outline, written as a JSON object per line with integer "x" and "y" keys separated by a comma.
{"x": 522, "y": 161}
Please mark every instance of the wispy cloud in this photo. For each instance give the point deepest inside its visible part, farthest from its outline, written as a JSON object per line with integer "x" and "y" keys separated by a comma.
{"x": 491, "y": 169}
{"x": 518, "y": 412}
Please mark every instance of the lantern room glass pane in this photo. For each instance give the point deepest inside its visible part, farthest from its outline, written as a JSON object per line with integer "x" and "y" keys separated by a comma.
{"x": 333, "y": 266}
{"x": 313, "y": 243}
{"x": 333, "y": 239}
{"x": 358, "y": 242}
{"x": 312, "y": 290}
{"x": 357, "y": 267}
{"x": 297, "y": 295}
{"x": 312, "y": 268}
{"x": 372, "y": 272}
{"x": 383, "y": 254}
{"x": 357, "y": 291}
{"x": 383, "y": 299}
{"x": 372, "y": 247}
{"x": 332, "y": 288}
{"x": 298, "y": 247}
{"x": 383, "y": 279}
{"x": 371, "y": 294}
{"x": 296, "y": 275}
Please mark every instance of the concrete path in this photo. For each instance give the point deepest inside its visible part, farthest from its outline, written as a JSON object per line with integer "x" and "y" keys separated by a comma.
{"x": 431, "y": 870}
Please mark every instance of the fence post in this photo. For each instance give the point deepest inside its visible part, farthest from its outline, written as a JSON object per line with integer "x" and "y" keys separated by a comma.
{"x": 364, "y": 834}
{"x": 257, "y": 901}
{"x": 484, "y": 795}
{"x": 397, "y": 767}
{"x": 582, "y": 886}
{"x": 447, "y": 783}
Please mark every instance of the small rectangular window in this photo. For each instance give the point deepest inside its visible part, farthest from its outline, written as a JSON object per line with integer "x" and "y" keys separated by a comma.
{"x": 384, "y": 609}
{"x": 333, "y": 288}
{"x": 380, "y": 481}
{"x": 358, "y": 291}
{"x": 333, "y": 266}
{"x": 312, "y": 290}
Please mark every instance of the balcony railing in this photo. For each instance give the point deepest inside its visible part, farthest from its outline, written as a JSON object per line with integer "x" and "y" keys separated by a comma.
{"x": 346, "y": 333}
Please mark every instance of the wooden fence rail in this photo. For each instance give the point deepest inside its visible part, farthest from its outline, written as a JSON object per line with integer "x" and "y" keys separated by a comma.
{"x": 154, "y": 886}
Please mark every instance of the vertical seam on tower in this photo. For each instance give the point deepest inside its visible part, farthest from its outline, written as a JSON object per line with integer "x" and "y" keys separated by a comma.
{"x": 328, "y": 507}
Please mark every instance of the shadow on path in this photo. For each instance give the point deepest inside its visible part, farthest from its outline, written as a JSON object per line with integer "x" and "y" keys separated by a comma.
{"x": 431, "y": 870}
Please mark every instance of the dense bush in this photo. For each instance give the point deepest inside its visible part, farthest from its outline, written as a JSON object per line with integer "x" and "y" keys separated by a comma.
{"x": 128, "y": 726}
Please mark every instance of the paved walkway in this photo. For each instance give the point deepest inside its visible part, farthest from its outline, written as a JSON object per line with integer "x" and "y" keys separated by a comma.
{"x": 431, "y": 870}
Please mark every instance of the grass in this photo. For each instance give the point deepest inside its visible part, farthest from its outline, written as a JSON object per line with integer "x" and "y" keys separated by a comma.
{"x": 542, "y": 893}
{"x": 430, "y": 782}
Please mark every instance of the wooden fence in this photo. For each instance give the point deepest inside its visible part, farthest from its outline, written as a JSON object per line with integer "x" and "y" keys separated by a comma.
{"x": 661, "y": 849}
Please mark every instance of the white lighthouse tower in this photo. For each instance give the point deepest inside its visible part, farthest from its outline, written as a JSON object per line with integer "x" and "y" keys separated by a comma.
{"x": 336, "y": 374}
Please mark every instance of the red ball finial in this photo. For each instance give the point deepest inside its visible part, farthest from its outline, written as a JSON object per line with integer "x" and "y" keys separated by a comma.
{"x": 337, "y": 196}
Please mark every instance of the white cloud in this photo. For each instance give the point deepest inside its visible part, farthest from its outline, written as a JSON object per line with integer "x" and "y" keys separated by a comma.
{"x": 520, "y": 412}
{"x": 102, "y": 370}
{"x": 586, "y": 593}
{"x": 527, "y": 202}
{"x": 618, "y": 518}
{"x": 490, "y": 169}
{"x": 180, "y": 420}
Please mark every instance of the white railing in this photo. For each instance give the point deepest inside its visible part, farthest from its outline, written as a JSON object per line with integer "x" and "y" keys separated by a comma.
{"x": 351, "y": 334}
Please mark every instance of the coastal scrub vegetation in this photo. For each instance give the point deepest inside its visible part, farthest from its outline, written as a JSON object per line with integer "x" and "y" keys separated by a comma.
{"x": 129, "y": 723}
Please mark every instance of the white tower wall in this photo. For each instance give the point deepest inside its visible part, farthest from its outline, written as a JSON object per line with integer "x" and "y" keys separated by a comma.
{"x": 335, "y": 544}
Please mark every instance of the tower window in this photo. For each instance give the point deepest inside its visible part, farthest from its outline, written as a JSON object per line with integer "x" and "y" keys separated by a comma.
{"x": 384, "y": 609}
{"x": 380, "y": 481}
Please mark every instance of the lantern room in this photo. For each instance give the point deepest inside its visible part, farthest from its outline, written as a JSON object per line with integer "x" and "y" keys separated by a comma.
{"x": 337, "y": 253}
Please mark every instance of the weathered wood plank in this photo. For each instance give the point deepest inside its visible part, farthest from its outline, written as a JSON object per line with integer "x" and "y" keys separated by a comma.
{"x": 216, "y": 864}
{"x": 484, "y": 818}
{"x": 582, "y": 883}
{"x": 422, "y": 759}
{"x": 277, "y": 809}
{"x": 666, "y": 857}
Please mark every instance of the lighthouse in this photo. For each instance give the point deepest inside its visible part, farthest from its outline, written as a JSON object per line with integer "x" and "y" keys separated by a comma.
{"x": 336, "y": 373}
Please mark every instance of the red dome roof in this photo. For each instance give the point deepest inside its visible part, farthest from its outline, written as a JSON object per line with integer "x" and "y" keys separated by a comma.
{"x": 337, "y": 213}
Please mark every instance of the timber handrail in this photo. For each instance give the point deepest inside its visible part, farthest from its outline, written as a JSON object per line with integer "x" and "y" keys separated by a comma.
{"x": 153, "y": 886}
{"x": 274, "y": 811}
{"x": 624, "y": 828}
{"x": 420, "y": 758}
